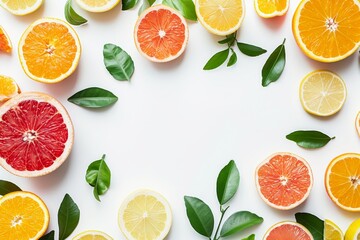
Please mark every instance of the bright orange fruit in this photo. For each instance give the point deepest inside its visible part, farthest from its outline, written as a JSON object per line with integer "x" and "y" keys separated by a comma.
{"x": 8, "y": 88}
{"x": 271, "y": 8}
{"x": 5, "y": 43}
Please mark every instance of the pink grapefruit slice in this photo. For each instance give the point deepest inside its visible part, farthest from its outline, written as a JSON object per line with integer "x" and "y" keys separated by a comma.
{"x": 288, "y": 231}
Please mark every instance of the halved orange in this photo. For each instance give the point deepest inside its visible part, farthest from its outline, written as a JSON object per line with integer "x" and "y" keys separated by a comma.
{"x": 327, "y": 30}
{"x": 49, "y": 50}
{"x": 271, "y": 8}
{"x": 5, "y": 42}
{"x": 342, "y": 181}
{"x": 8, "y": 88}
{"x": 161, "y": 34}
{"x": 288, "y": 231}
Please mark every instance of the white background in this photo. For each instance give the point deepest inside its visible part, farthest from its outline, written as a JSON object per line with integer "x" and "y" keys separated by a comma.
{"x": 175, "y": 126}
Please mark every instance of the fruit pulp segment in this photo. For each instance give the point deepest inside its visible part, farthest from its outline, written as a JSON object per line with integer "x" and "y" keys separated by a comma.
{"x": 7, "y": 87}
{"x": 288, "y": 232}
{"x": 95, "y": 3}
{"x": 4, "y": 42}
{"x": 272, "y": 6}
{"x": 32, "y": 135}
{"x": 332, "y": 232}
{"x": 19, "y": 5}
{"x": 93, "y": 237}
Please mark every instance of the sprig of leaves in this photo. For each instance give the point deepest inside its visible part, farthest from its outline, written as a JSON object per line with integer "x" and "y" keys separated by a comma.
{"x": 314, "y": 224}
{"x": 274, "y": 65}
{"x": 7, "y": 187}
{"x": 98, "y": 175}
{"x": 93, "y": 97}
{"x": 309, "y": 138}
{"x": 71, "y": 16}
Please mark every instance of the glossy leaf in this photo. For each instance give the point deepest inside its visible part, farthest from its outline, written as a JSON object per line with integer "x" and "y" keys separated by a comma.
{"x": 229, "y": 38}
{"x": 68, "y": 217}
{"x": 227, "y": 182}
{"x": 200, "y": 216}
{"x": 216, "y": 60}
{"x": 309, "y": 139}
{"x": 274, "y": 65}
{"x": 185, "y": 7}
{"x": 250, "y": 50}
{"x": 128, "y": 4}
{"x": 238, "y": 222}
{"x": 251, "y": 237}
{"x": 314, "y": 224}
{"x": 118, "y": 62}
{"x": 93, "y": 97}
{"x": 48, "y": 236}
{"x": 146, "y": 4}
{"x": 232, "y": 59}
{"x": 7, "y": 187}
{"x": 98, "y": 175}
{"x": 71, "y": 16}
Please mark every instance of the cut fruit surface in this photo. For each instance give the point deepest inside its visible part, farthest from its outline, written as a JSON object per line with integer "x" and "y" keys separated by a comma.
{"x": 357, "y": 123}
{"x": 145, "y": 215}
{"x": 97, "y": 5}
{"x": 36, "y": 134}
{"x": 332, "y": 231}
{"x": 24, "y": 216}
{"x": 8, "y": 88}
{"x": 327, "y": 30}
{"x": 271, "y": 8}
{"x": 322, "y": 93}
{"x": 220, "y": 17}
{"x": 49, "y": 50}
{"x": 21, "y": 7}
{"x": 161, "y": 34}
{"x": 284, "y": 180}
{"x": 342, "y": 180}
{"x": 92, "y": 235}
{"x": 5, "y": 42}
{"x": 288, "y": 231}
{"x": 353, "y": 231}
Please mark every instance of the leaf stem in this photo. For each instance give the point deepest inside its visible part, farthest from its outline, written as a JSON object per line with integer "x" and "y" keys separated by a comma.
{"x": 222, "y": 216}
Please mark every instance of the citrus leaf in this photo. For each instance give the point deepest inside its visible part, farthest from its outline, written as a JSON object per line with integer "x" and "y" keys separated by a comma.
{"x": 146, "y": 4}
{"x": 49, "y": 236}
{"x": 233, "y": 58}
{"x": 68, "y": 217}
{"x": 251, "y": 237}
{"x": 98, "y": 175}
{"x": 309, "y": 139}
{"x": 314, "y": 224}
{"x": 238, "y": 222}
{"x": 71, "y": 16}
{"x": 227, "y": 182}
{"x": 128, "y": 4}
{"x": 216, "y": 60}
{"x": 118, "y": 62}
{"x": 93, "y": 97}
{"x": 185, "y": 7}
{"x": 274, "y": 65}
{"x": 228, "y": 39}
{"x": 250, "y": 50}
{"x": 7, "y": 187}
{"x": 200, "y": 216}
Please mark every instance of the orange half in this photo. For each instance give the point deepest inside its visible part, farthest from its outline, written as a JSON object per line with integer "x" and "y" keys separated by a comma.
{"x": 271, "y": 8}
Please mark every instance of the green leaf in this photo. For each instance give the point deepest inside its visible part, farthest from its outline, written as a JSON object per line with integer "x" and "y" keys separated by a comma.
{"x": 228, "y": 39}
{"x": 49, "y": 236}
{"x": 71, "y": 16}
{"x": 68, "y": 217}
{"x": 250, "y": 50}
{"x": 274, "y": 65}
{"x": 128, "y": 4}
{"x": 93, "y": 97}
{"x": 185, "y": 7}
{"x": 251, "y": 237}
{"x": 216, "y": 60}
{"x": 7, "y": 187}
{"x": 314, "y": 224}
{"x": 200, "y": 216}
{"x": 309, "y": 139}
{"x": 238, "y": 222}
{"x": 98, "y": 175}
{"x": 227, "y": 182}
{"x": 146, "y": 4}
{"x": 118, "y": 62}
{"x": 233, "y": 58}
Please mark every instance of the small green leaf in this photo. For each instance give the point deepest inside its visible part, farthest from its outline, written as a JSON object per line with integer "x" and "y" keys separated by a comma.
{"x": 7, "y": 187}
{"x": 232, "y": 59}
{"x": 314, "y": 224}
{"x": 128, "y": 4}
{"x": 274, "y": 65}
{"x": 146, "y": 4}
{"x": 216, "y": 60}
{"x": 251, "y": 237}
{"x": 238, "y": 222}
{"x": 68, "y": 217}
{"x": 227, "y": 182}
{"x": 228, "y": 39}
{"x": 250, "y": 50}
{"x": 309, "y": 139}
{"x": 200, "y": 216}
{"x": 49, "y": 236}
{"x": 93, "y": 97}
{"x": 185, "y": 7}
{"x": 71, "y": 16}
{"x": 98, "y": 175}
{"x": 118, "y": 62}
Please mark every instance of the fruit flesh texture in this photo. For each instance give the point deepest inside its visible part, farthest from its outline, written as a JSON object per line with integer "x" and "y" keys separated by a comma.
{"x": 19, "y": 5}
{"x": 269, "y": 7}
{"x": 4, "y": 42}
{"x": 288, "y": 232}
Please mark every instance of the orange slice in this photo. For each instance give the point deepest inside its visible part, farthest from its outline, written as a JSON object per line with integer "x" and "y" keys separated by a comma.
{"x": 342, "y": 181}
{"x": 49, "y": 50}
{"x": 288, "y": 231}
{"x": 5, "y": 43}
{"x": 8, "y": 88}
{"x": 271, "y": 8}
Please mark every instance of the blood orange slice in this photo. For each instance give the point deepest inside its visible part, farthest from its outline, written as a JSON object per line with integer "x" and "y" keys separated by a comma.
{"x": 284, "y": 180}
{"x": 161, "y": 34}
{"x": 36, "y": 134}
{"x": 288, "y": 231}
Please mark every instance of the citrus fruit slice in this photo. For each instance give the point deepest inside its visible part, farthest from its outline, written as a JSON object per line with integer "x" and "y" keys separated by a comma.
{"x": 288, "y": 231}
{"x": 353, "y": 231}
{"x": 21, "y": 7}
{"x": 8, "y": 88}
{"x": 357, "y": 123}
{"x": 49, "y": 50}
{"x": 97, "y": 5}
{"x": 92, "y": 235}
{"x": 161, "y": 34}
{"x": 36, "y": 134}
{"x": 145, "y": 215}
{"x": 271, "y": 8}
{"x": 220, "y": 17}
{"x": 322, "y": 93}
{"x": 24, "y": 216}
{"x": 332, "y": 231}
{"x": 342, "y": 180}
{"x": 284, "y": 180}
{"x": 327, "y": 30}
{"x": 5, "y": 43}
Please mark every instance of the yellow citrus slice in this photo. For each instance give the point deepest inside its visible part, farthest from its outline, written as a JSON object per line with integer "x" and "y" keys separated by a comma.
{"x": 220, "y": 17}
{"x": 21, "y": 7}
{"x": 357, "y": 123}
{"x": 342, "y": 180}
{"x": 92, "y": 235}
{"x": 49, "y": 50}
{"x": 322, "y": 93}
{"x": 145, "y": 215}
{"x": 332, "y": 231}
{"x": 24, "y": 216}
{"x": 353, "y": 231}
{"x": 97, "y": 5}
{"x": 5, "y": 42}
{"x": 271, "y": 8}
{"x": 8, "y": 88}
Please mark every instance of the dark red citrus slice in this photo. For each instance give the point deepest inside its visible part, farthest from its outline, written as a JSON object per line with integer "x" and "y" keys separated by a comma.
{"x": 288, "y": 231}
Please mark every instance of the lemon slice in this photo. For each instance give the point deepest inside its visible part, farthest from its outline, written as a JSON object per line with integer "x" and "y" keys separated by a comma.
{"x": 353, "y": 232}
{"x": 145, "y": 215}
{"x": 332, "y": 231}
{"x": 97, "y": 5}
{"x": 322, "y": 93}
{"x": 21, "y": 7}
{"x": 92, "y": 235}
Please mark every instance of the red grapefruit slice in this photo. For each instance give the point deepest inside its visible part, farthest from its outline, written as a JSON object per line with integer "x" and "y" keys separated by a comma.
{"x": 284, "y": 180}
{"x": 36, "y": 134}
{"x": 288, "y": 231}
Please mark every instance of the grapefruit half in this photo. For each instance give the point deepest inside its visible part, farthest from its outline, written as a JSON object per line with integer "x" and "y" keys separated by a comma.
{"x": 288, "y": 231}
